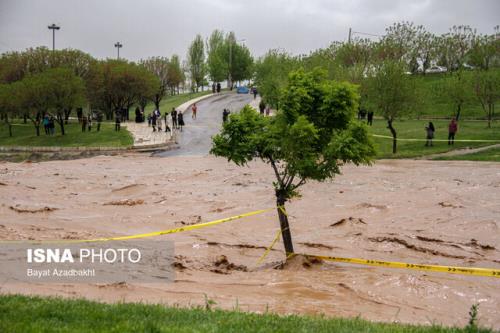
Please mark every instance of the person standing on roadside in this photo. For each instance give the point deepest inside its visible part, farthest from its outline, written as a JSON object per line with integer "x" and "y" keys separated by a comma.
{"x": 194, "y": 109}
{"x": 218, "y": 87}
{"x": 452, "y": 130}
{"x": 225, "y": 115}
{"x": 430, "y": 134}
{"x": 173, "y": 114}
{"x": 255, "y": 92}
{"x": 180, "y": 120}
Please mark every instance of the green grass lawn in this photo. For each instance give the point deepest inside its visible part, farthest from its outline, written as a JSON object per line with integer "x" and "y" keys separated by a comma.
{"x": 25, "y": 135}
{"x": 490, "y": 155}
{"x": 36, "y": 314}
{"x": 409, "y": 129}
{"x": 169, "y": 102}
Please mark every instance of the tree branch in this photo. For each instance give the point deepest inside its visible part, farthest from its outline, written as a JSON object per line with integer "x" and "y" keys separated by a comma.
{"x": 276, "y": 172}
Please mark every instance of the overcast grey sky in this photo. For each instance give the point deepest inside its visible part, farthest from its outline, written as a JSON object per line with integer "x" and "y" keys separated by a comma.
{"x": 164, "y": 27}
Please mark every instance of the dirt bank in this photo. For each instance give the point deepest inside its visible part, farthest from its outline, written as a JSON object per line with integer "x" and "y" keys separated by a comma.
{"x": 413, "y": 211}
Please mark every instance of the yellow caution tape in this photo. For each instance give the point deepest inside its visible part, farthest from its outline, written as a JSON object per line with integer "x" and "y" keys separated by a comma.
{"x": 392, "y": 264}
{"x": 435, "y": 140}
{"x": 156, "y": 233}
{"x": 270, "y": 247}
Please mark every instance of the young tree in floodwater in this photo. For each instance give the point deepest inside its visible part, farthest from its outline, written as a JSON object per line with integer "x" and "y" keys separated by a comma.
{"x": 310, "y": 138}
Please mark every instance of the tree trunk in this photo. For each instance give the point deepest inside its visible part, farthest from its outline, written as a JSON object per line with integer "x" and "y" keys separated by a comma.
{"x": 157, "y": 103}
{"x": 285, "y": 227}
{"x": 25, "y": 121}
{"x": 10, "y": 128}
{"x": 490, "y": 114}
{"x": 459, "y": 109}
{"x": 394, "y": 138}
{"x": 37, "y": 128}
{"x": 67, "y": 113}
{"x": 61, "y": 122}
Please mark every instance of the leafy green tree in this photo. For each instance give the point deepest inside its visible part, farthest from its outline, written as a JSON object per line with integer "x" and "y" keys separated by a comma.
{"x": 158, "y": 66}
{"x": 240, "y": 61}
{"x": 175, "y": 74}
{"x": 310, "y": 138}
{"x": 487, "y": 89}
{"x": 196, "y": 62}
{"x": 485, "y": 52}
{"x": 32, "y": 95}
{"x": 66, "y": 91}
{"x": 393, "y": 93}
{"x": 117, "y": 84}
{"x": 454, "y": 46}
{"x": 456, "y": 89}
{"x": 8, "y": 105}
{"x": 217, "y": 63}
{"x": 271, "y": 75}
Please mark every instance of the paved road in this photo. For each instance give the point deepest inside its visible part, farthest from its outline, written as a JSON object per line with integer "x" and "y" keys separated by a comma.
{"x": 195, "y": 138}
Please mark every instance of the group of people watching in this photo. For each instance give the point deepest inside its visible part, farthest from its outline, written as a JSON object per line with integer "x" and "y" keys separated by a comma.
{"x": 156, "y": 120}
{"x": 49, "y": 124}
{"x": 431, "y": 130}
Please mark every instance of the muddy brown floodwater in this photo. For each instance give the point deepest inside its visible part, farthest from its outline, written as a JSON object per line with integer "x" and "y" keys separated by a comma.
{"x": 444, "y": 213}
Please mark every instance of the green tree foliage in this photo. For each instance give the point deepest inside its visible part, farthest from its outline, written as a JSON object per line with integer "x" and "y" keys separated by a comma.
{"x": 485, "y": 52}
{"x": 66, "y": 91}
{"x": 487, "y": 89}
{"x": 50, "y": 92}
{"x": 393, "y": 93}
{"x": 271, "y": 75}
{"x": 32, "y": 95}
{"x": 158, "y": 66}
{"x": 313, "y": 135}
{"x": 175, "y": 74}
{"x": 456, "y": 90}
{"x": 217, "y": 59}
{"x": 454, "y": 46}
{"x": 9, "y": 108}
{"x": 196, "y": 62}
{"x": 117, "y": 84}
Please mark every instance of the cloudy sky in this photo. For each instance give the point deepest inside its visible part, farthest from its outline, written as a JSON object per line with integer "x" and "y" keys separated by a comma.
{"x": 164, "y": 27}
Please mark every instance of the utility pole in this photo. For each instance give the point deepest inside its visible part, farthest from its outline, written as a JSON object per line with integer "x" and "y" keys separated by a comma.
{"x": 350, "y": 33}
{"x": 54, "y": 27}
{"x": 118, "y": 45}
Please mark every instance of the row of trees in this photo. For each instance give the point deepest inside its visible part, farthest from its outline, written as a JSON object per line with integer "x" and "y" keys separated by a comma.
{"x": 386, "y": 70}
{"x": 219, "y": 58}
{"x": 39, "y": 81}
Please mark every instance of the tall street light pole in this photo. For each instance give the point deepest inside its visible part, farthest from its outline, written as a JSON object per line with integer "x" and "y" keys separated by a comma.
{"x": 118, "y": 45}
{"x": 231, "y": 61}
{"x": 54, "y": 27}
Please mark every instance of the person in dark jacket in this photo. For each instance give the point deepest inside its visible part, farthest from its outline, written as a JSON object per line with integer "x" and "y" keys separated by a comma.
{"x": 180, "y": 120}
{"x": 452, "y": 130}
{"x": 173, "y": 114}
{"x": 218, "y": 87}
{"x": 225, "y": 115}
{"x": 430, "y": 134}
